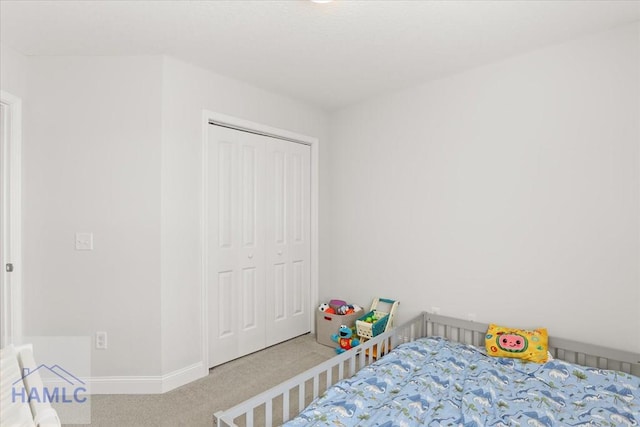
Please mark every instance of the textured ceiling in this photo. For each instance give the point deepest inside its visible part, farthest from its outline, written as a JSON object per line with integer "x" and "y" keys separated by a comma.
{"x": 329, "y": 55}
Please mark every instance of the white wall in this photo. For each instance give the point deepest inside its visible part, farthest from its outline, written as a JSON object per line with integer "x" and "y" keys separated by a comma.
{"x": 187, "y": 91}
{"x": 112, "y": 145}
{"x": 509, "y": 191}
{"x": 91, "y": 163}
{"x": 13, "y": 73}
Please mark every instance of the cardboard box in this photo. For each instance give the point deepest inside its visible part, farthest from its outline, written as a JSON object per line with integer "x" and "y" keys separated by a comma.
{"x": 328, "y": 324}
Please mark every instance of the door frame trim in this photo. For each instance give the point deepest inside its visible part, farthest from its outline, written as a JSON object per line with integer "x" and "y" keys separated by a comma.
{"x": 210, "y": 118}
{"x": 12, "y": 204}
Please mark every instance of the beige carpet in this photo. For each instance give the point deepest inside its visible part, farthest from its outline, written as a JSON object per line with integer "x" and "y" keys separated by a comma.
{"x": 194, "y": 404}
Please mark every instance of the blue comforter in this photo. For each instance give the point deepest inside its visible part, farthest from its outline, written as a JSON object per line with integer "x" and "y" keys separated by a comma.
{"x": 435, "y": 382}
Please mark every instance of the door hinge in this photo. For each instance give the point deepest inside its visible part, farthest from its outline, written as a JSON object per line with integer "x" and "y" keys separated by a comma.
{"x": 9, "y": 267}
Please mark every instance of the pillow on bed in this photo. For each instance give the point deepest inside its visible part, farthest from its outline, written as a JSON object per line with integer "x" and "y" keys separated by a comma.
{"x": 519, "y": 343}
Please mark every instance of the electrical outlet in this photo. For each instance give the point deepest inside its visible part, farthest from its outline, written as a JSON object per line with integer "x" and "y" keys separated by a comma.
{"x": 84, "y": 241}
{"x": 435, "y": 310}
{"x": 101, "y": 340}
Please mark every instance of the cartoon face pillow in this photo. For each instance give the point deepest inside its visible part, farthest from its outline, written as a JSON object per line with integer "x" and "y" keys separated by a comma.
{"x": 519, "y": 343}
{"x": 512, "y": 342}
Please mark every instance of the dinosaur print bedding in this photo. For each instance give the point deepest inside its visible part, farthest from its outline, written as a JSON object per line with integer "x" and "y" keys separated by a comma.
{"x": 435, "y": 382}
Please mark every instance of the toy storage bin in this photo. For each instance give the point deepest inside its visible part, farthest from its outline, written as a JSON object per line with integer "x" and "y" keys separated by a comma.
{"x": 328, "y": 324}
{"x": 367, "y": 330}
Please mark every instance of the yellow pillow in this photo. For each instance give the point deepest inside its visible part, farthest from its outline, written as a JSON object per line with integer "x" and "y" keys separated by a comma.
{"x": 518, "y": 343}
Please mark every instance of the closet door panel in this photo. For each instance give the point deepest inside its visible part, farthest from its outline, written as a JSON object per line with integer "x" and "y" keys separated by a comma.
{"x": 299, "y": 290}
{"x": 300, "y": 244}
{"x": 276, "y": 236}
{"x": 226, "y": 298}
{"x": 222, "y": 183}
{"x": 278, "y": 201}
{"x": 249, "y": 299}
{"x": 235, "y": 244}
{"x": 279, "y": 291}
{"x": 287, "y": 244}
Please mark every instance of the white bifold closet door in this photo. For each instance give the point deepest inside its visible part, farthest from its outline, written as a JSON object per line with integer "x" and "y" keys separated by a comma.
{"x": 258, "y": 246}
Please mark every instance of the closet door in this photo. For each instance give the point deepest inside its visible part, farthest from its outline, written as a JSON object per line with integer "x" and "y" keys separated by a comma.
{"x": 235, "y": 243}
{"x": 288, "y": 246}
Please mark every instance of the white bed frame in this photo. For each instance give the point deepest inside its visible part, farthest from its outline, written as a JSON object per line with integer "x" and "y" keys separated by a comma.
{"x": 286, "y": 400}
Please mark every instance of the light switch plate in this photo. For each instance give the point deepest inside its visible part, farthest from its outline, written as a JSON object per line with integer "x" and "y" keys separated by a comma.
{"x": 84, "y": 241}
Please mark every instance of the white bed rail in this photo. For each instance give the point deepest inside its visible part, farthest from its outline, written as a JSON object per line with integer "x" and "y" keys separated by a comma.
{"x": 590, "y": 355}
{"x": 280, "y": 403}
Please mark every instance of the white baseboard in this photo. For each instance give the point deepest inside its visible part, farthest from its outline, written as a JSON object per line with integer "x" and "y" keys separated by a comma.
{"x": 183, "y": 376}
{"x": 147, "y": 384}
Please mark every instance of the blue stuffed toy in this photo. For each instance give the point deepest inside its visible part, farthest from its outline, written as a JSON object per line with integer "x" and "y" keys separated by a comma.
{"x": 344, "y": 337}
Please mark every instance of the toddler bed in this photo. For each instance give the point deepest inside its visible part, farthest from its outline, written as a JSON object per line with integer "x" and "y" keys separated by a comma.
{"x": 439, "y": 374}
